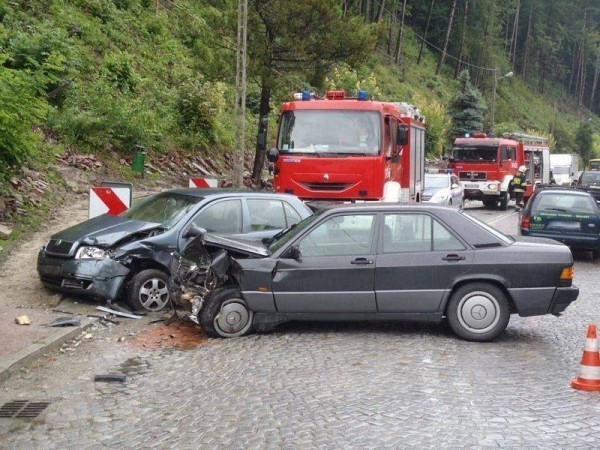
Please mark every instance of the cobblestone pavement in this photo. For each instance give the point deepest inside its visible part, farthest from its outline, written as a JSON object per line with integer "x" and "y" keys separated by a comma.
{"x": 366, "y": 385}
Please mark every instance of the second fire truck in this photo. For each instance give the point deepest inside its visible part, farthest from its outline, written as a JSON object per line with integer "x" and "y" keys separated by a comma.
{"x": 486, "y": 165}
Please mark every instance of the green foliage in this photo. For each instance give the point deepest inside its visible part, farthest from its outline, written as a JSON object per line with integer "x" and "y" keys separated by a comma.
{"x": 467, "y": 108}
{"x": 584, "y": 142}
{"x": 352, "y": 80}
{"x": 21, "y": 109}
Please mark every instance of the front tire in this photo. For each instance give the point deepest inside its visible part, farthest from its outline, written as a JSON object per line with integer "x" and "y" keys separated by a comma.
{"x": 504, "y": 201}
{"x": 478, "y": 312}
{"x": 225, "y": 314}
{"x": 149, "y": 291}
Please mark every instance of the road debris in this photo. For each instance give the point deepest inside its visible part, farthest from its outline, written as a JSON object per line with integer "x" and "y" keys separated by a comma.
{"x": 111, "y": 377}
{"x": 23, "y": 320}
{"x": 64, "y": 322}
{"x": 118, "y": 313}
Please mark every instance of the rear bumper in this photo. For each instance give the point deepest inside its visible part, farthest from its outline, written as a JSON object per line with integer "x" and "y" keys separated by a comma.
{"x": 100, "y": 279}
{"x": 541, "y": 301}
{"x": 582, "y": 242}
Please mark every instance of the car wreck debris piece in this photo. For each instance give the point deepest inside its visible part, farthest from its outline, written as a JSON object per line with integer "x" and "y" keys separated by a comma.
{"x": 118, "y": 313}
{"x": 64, "y": 322}
{"x": 23, "y": 320}
{"x": 111, "y": 377}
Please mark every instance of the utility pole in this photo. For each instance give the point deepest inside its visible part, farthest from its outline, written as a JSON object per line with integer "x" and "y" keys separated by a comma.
{"x": 240, "y": 96}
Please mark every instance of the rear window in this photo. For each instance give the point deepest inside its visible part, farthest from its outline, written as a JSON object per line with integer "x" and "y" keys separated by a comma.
{"x": 564, "y": 202}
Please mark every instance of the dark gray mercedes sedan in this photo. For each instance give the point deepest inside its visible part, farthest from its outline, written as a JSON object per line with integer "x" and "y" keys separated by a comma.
{"x": 383, "y": 261}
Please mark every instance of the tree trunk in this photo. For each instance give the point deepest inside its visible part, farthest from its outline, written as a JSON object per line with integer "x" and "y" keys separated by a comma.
{"x": 573, "y": 67}
{"x": 416, "y": 12}
{"x": 596, "y": 75}
{"x": 400, "y": 35}
{"x": 381, "y": 10}
{"x": 448, "y": 31}
{"x": 512, "y": 56}
{"x": 426, "y": 30}
{"x": 582, "y": 71}
{"x": 462, "y": 41}
{"x": 264, "y": 111}
{"x": 393, "y": 21}
{"x": 527, "y": 40}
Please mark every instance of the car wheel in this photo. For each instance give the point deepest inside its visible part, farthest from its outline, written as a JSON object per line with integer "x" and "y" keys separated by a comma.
{"x": 148, "y": 290}
{"x": 478, "y": 312}
{"x": 225, "y": 314}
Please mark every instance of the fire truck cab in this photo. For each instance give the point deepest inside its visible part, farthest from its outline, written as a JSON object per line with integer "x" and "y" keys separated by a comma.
{"x": 348, "y": 149}
{"x": 486, "y": 165}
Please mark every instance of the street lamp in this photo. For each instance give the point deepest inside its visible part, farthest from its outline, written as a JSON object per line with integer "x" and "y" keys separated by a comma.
{"x": 496, "y": 79}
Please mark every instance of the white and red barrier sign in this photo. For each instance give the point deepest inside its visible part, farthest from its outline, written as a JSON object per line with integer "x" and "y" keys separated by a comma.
{"x": 198, "y": 182}
{"x": 109, "y": 199}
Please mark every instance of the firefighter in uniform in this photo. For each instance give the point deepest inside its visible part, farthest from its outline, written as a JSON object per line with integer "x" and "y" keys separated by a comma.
{"x": 518, "y": 186}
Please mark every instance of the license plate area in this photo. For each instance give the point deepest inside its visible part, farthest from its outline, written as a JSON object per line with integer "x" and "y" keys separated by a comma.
{"x": 471, "y": 186}
{"x": 564, "y": 225}
{"x": 51, "y": 269}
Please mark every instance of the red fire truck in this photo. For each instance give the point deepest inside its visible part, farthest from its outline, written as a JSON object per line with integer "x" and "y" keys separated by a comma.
{"x": 342, "y": 148}
{"x": 486, "y": 165}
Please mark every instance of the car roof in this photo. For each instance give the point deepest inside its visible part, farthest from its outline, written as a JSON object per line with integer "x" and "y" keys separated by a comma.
{"x": 376, "y": 206}
{"x": 226, "y": 192}
{"x": 564, "y": 190}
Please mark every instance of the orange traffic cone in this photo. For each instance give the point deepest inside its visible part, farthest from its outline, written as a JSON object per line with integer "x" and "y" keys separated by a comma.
{"x": 589, "y": 374}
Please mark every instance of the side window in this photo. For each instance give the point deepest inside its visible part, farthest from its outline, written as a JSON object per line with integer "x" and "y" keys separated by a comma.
{"x": 266, "y": 214}
{"x": 443, "y": 239}
{"x": 340, "y": 236}
{"x": 416, "y": 233}
{"x": 291, "y": 214}
{"x": 406, "y": 233}
{"x": 221, "y": 217}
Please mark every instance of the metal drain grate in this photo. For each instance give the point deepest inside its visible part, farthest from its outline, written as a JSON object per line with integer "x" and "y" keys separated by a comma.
{"x": 22, "y": 409}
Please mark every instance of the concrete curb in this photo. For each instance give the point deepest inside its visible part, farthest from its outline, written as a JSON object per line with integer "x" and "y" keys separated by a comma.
{"x": 13, "y": 363}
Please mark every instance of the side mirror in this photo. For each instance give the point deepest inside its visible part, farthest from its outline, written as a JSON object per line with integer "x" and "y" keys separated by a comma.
{"x": 402, "y": 135}
{"x": 193, "y": 231}
{"x": 293, "y": 253}
{"x": 273, "y": 155}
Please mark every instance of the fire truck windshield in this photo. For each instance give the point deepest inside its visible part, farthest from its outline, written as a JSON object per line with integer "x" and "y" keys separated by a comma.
{"x": 330, "y": 131}
{"x": 485, "y": 154}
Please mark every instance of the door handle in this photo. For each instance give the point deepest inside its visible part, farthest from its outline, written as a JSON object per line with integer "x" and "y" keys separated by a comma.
{"x": 362, "y": 261}
{"x": 453, "y": 258}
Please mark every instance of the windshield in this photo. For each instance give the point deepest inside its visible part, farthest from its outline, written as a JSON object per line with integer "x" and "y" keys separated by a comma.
{"x": 590, "y": 178}
{"x": 436, "y": 181}
{"x": 165, "y": 208}
{"x": 281, "y": 239}
{"x": 330, "y": 131}
{"x": 487, "y": 154}
{"x": 561, "y": 201}
{"x": 561, "y": 170}
{"x": 501, "y": 236}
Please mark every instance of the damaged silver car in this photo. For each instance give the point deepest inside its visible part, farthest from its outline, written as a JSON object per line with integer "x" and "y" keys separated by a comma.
{"x": 384, "y": 261}
{"x": 129, "y": 256}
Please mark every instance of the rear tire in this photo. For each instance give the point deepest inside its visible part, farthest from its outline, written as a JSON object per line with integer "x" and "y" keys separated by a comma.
{"x": 225, "y": 314}
{"x": 478, "y": 312}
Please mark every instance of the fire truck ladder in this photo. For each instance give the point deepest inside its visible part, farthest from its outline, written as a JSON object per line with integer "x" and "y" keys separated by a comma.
{"x": 525, "y": 138}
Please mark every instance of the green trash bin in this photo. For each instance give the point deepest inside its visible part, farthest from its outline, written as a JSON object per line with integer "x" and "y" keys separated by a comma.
{"x": 139, "y": 159}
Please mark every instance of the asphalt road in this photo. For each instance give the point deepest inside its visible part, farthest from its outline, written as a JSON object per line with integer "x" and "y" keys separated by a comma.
{"x": 327, "y": 385}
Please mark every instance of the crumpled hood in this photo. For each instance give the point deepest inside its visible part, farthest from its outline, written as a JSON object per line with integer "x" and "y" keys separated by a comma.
{"x": 104, "y": 230}
{"x": 245, "y": 246}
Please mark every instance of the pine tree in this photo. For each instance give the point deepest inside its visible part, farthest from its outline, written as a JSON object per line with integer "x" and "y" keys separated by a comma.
{"x": 467, "y": 108}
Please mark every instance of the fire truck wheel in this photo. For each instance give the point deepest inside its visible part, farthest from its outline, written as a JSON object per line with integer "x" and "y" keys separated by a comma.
{"x": 225, "y": 314}
{"x": 504, "y": 201}
{"x": 489, "y": 202}
{"x": 478, "y": 312}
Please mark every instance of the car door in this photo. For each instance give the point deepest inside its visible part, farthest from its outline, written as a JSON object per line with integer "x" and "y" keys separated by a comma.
{"x": 335, "y": 271}
{"x": 417, "y": 262}
{"x": 268, "y": 216}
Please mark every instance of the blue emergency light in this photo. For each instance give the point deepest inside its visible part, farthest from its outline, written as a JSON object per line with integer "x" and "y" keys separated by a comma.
{"x": 305, "y": 95}
{"x": 362, "y": 95}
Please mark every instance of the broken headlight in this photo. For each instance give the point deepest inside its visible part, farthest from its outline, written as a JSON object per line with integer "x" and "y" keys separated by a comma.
{"x": 90, "y": 253}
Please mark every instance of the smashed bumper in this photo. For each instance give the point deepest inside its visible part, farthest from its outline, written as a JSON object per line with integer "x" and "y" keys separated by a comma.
{"x": 101, "y": 279}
